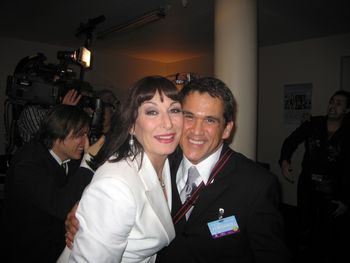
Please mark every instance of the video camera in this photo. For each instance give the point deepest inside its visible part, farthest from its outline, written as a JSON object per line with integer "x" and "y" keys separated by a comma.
{"x": 37, "y": 83}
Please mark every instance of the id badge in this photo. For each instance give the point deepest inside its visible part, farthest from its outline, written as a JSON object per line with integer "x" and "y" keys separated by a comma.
{"x": 317, "y": 177}
{"x": 223, "y": 227}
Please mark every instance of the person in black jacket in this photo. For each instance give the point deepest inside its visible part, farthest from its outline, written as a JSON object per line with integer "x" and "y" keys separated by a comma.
{"x": 45, "y": 179}
{"x": 323, "y": 185}
{"x": 233, "y": 213}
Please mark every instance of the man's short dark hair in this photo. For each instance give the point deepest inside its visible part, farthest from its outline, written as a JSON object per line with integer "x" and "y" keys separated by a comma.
{"x": 345, "y": 94}
{"x": 60, "y": 121}
{"x": 215, "y": 88}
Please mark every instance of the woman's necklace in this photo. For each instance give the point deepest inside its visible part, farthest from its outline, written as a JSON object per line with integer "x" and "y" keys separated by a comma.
{"x": 162, "y": 184}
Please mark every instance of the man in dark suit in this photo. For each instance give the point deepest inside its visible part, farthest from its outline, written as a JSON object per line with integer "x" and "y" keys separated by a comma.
{"x": 232, "y": 210}
{"x": 45, "y": 179}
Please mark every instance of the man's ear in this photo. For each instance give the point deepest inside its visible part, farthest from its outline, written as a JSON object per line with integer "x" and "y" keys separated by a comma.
{"x": 228, "y": 129}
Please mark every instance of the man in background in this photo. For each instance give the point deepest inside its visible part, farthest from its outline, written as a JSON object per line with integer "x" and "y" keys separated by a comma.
{"x": 31, "y": 116}
{"x": 323, "y": 197}
{"x": 45, "y": 179}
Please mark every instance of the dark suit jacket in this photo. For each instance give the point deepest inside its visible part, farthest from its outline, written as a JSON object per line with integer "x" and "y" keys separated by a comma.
{"x": 38, "y": 196}
{"x": 251, "y": 194}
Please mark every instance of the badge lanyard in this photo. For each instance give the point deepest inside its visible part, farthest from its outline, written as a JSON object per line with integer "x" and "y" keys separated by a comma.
{"x": 191, "y": 201}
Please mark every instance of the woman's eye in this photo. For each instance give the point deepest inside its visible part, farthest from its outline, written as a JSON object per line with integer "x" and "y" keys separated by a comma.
{"x": 176, "y": 110}
{"x": 151, "y": 112}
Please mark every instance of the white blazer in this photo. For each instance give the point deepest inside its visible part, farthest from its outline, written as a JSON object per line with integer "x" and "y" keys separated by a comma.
{"x": 123, "y": 215}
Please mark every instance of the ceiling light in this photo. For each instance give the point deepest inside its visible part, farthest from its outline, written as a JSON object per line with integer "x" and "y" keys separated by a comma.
{"x": 140, "y": 21}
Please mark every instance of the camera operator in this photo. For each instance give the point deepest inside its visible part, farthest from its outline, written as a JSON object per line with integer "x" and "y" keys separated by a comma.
{"x": 29, "y": 120}
{"x": 44, "y": 181}
{"x": 36, "y": 87}
{"x": 33, "y": 76}
{"x": 31, "y": 116}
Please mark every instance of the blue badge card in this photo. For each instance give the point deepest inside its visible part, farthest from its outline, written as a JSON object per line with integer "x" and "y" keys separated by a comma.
{"x": 223, "y": 227}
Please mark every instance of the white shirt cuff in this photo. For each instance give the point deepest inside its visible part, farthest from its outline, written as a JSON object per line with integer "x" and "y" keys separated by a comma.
{"x": 84, "y": 162}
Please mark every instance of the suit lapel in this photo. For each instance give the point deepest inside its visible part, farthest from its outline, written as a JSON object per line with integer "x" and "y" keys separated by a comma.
{"x": 154, "y": 193}
{"x": 209, "y": 194}
{"x": 73, "y": 166}
{"x": 57, "y": 171}
{"x": 212, "y": 192}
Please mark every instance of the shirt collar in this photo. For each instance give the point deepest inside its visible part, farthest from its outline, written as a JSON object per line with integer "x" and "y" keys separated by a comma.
{"x": 204, "y": 168}
{"x": 58, "y": 159}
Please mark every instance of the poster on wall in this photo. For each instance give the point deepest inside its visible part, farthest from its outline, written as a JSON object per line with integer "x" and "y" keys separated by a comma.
{"x": 297, "y": 103}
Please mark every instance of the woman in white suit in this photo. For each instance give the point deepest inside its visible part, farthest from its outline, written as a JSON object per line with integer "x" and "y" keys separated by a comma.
{"x": 124, "y": 213}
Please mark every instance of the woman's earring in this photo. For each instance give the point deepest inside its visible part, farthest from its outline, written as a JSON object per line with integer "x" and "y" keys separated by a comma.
{"x": 132, "y": 143}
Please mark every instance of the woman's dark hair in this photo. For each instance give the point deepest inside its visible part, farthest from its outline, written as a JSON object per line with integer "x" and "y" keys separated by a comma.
{"x": 59, "y": 122}
{"x": 116, "y": 146}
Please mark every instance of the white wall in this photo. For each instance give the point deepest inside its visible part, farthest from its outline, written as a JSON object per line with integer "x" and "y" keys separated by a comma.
{"x": 109, "y": 69}
{"x": 316, "y": 61}
{"x": 203, "y": 65}
{"x": 119, "y": 72}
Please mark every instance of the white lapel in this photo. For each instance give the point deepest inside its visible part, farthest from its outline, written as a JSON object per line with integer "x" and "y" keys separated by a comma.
{"x": 156, "y": 196}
